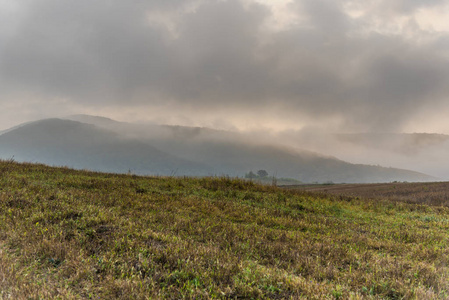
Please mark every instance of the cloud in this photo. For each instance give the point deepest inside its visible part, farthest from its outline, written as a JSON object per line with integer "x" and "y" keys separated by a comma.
{"x": 81, "y": 50}
{"x": 330, "y": 66}
{"x": 393, "y": 8}
{"x": 408, "y": 6}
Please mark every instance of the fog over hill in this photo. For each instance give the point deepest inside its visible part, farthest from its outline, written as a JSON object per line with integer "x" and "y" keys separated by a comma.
{"x": 102, "y": 144}
{"x": 422, "y": 152}
{"x": 85, "y": 146}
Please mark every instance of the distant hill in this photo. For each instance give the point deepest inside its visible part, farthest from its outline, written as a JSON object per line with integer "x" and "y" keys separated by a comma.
{"x": 234, "y": 154}
{"x": 111, "y": 146}
{"x": 85, "y": 146}
{"x": 423, "y": 152}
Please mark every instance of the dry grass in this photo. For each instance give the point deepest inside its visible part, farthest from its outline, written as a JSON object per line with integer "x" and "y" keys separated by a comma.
{"x": 428, "y": 193}
{"x": 77, "y": 235}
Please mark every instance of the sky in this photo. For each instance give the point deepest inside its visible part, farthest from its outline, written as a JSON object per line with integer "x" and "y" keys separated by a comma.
{"x": 340, "y": 66}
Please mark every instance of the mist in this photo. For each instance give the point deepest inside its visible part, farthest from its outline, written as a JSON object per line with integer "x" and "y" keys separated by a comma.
{"x": 420, "y": 152}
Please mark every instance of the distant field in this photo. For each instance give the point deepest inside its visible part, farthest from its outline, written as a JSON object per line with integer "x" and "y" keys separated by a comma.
{"x": 429, "y": 193}
{"x": 68, "y": 234}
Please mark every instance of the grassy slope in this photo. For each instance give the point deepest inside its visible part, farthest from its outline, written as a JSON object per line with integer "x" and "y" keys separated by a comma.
{"x": 73, "y": 234}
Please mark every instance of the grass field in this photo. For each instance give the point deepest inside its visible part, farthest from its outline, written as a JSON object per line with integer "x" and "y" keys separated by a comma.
{"x": 428, "y": 193}
{"x": 73, "y": 234}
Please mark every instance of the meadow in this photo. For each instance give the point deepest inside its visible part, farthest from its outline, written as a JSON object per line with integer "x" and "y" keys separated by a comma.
{"x": 67, "y": 234}
{"x": 428, "y": 193}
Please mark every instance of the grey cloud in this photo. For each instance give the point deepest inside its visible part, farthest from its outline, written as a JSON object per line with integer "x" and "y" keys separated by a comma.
{"x": 80, "y": 49}
{"x": 326, "y": 15}
{"x": 218, "y": 49}
{"x": 106, "y": 52}
{"x": 393, "y": 82}
{"x": 374, "y": 82}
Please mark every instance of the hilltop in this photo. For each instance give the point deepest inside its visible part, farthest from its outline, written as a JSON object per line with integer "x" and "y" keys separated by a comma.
{"x": 76, "y": 234}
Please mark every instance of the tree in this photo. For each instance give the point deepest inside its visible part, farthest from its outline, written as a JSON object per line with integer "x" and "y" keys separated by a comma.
{"x": 250, "y": 175}
{"x": 262, "y": 173}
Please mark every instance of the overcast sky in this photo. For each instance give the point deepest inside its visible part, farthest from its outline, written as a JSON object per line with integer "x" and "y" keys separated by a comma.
{"x": 348, "y": 65}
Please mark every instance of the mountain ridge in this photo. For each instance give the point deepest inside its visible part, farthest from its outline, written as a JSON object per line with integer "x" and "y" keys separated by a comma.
{"x": 161, "y": 150}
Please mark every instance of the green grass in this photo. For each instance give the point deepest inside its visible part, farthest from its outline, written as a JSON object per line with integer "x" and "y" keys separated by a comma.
{"x": 72, "y": 234}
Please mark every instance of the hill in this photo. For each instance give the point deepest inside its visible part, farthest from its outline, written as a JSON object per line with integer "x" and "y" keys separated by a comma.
{"x": 83, "y": 146}
{"x": 110, "y": 146}
{"x": 73, "y": 234}
{"x": 422, "y": 152}
{"x": 234, "y": 154}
